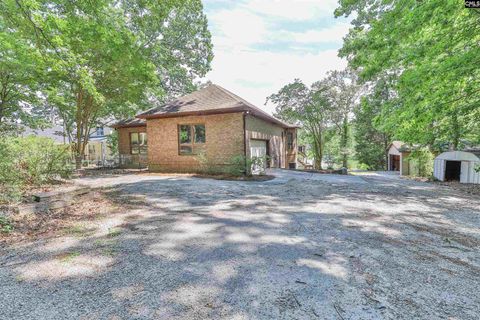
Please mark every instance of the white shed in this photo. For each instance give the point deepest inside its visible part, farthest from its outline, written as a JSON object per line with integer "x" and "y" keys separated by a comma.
{"x": 457, "y": 166}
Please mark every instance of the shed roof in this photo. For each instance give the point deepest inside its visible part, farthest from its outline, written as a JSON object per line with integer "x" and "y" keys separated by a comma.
{"x": 458, "y": 156}
{"x": 212, "y": 99}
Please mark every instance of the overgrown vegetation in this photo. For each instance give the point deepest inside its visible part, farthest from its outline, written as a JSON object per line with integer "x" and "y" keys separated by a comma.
{"x": 83, "y": 61}
{"x": 30, "y": 161}
{"x": 237, "y": 166}
{"x": 417, "y": 86}
{"x": 421, "y": 162}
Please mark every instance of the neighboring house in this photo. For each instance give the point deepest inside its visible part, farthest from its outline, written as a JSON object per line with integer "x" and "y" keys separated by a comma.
{"x": 398, "y": 153}
{"x": 458, "y": 166}
{"x": 211, "y": 124}
{"x": 55, "y": 133}
{"x": 97, "y": 151}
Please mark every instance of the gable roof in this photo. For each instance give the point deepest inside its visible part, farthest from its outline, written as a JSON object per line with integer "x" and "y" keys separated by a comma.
{"x": 209, "y": 100}
{"x": 397, "y": 144}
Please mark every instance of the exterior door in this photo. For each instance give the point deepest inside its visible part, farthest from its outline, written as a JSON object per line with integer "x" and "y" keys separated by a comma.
{"x": 394, "y": 162}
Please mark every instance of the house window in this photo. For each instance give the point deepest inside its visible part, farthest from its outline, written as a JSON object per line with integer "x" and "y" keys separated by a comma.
{"x": 99, "y": 131}
{"x": 191, "y": 138}
{"x": 138, "y": 143}
{"x": 290, "y": 140}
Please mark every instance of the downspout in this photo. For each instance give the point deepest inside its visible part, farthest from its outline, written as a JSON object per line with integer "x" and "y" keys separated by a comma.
{"x": 245, "y": 140}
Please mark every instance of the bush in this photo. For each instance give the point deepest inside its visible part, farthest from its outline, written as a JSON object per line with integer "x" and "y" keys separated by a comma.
{"x": 237, "y": 166}
{"x": 422, "y": 160}
{"x": 30, "y": 161}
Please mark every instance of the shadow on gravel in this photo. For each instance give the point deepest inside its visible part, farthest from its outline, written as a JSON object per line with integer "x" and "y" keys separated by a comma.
{"x": 201, "y": 249}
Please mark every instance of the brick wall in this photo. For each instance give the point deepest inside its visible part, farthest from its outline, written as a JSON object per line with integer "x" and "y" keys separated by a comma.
{"x": 224, "y": 140}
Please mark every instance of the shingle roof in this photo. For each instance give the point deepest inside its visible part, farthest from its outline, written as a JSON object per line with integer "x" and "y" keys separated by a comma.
{"x": 209, "y": 100}
{"x": 135, "y": 122}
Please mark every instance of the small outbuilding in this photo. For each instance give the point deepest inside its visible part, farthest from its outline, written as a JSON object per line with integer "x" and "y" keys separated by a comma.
{"x": 457, "y": 166}
{"x": 398, "y": 153}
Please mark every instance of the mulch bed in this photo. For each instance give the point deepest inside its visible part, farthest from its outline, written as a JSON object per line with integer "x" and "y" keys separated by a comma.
{"x": 48, "y": 224}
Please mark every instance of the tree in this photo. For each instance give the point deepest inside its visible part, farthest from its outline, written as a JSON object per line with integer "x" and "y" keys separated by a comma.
{"x": 111, "y": 58}
{"x": 433, "y": 48}
{"x": 371, "y": 137}
{"x": 20, "y": 71}
{"x": 343, "y": 93}
{"x": 296, "y": 103}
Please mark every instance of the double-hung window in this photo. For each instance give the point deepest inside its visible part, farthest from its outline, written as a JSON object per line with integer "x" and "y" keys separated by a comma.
{"x": 138, "y": 143}
{"x": 191, "y": 138}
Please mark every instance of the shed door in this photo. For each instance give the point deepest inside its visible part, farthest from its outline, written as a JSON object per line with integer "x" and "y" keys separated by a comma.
{"x": 258, "y": 148}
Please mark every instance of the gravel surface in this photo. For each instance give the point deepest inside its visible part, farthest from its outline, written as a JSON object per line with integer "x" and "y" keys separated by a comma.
{"x": 301, "y": 246}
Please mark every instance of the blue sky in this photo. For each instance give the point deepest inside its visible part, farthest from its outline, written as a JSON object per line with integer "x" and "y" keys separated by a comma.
{"x": 261, "y": 45}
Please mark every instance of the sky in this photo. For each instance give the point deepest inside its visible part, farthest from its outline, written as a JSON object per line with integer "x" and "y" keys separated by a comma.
{"x": 262, "y": 45}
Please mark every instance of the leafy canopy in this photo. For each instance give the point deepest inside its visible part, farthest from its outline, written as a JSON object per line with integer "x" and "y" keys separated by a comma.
{"x": 433, "y": 48}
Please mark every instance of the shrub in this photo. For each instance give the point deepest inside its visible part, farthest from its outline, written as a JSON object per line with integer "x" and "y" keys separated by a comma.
{"x": 237, "y": 166}
{"x": 30, "y": 161}
{"x": 422, "y": 160}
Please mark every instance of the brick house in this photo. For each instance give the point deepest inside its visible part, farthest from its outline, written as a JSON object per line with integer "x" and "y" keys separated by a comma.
{"x": 211, "y": 123}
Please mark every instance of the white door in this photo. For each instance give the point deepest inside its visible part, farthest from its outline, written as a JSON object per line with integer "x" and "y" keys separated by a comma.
{"x": 258, "y": 149}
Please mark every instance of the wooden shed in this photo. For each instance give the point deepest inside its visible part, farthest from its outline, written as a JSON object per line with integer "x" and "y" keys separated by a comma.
{"x": 398, "y": 153}
{"x": 457, "y": 166}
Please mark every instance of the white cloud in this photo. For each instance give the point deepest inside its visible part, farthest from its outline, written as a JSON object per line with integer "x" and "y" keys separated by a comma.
{"x": 333, "y": 33}
{"x": 292, "y": 9}
{"x": 237, "y": 28}
{"x": 255, "y": 74}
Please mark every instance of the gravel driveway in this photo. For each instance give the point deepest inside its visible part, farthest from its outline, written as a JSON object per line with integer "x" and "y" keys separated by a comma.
{"x": 301, "y": 246}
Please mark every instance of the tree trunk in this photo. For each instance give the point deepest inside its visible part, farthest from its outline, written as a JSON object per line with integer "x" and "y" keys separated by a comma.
{"x": 78, "y": 162}
{"x": 318, "y": 149}
{"x": 344, "y": 142}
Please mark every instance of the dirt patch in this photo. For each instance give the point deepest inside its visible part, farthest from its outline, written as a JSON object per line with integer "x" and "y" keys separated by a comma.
{"x": 463, "y": 187}
{"x": 34, "y": 226}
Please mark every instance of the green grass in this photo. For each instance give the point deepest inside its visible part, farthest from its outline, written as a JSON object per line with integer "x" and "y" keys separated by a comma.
{"x": 79, "y": 230}
{"x": 113, "y": 232}
{"x": 68, "y": 257}
{"x": 6, "y": 225}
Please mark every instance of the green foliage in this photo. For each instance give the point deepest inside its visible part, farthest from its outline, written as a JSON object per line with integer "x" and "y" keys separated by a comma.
{"x": 30, "y": 161}
{"x": 297, "y": 103}
{"x": 421, "y": 159}
{"x": 370, "y": 142}
{"x": 21, "y": 77}
{"x": 240, "y": 166}
{"x": 237, "y": 166}
{"x": 112, "y": 142}
{"x": 431, "y": 49}
{"x": 6, "y": 225}
{"x": 106, "y": 58}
